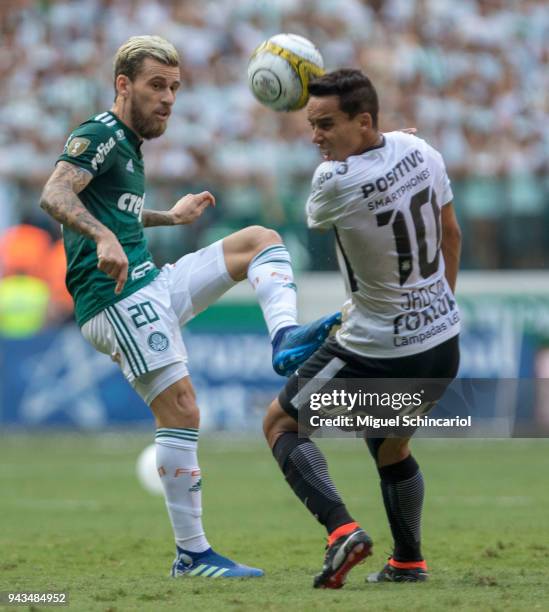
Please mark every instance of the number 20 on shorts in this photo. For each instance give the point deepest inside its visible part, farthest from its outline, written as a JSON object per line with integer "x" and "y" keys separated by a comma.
{"x": 143, "y": 313}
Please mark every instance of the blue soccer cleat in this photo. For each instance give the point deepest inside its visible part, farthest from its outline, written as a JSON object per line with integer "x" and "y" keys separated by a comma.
{"x": 294, "y": 345}
{"x": 209, "y": 564}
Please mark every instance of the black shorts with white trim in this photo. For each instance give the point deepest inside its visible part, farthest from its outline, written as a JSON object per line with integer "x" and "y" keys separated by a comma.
{"x": 332, "y": 362}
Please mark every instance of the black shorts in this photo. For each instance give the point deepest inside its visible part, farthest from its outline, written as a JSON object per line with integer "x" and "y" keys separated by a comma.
{"x": 333, "y": 361}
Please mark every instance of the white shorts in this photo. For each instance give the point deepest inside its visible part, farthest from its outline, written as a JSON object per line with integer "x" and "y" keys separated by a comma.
{"x": 143, "y": 331}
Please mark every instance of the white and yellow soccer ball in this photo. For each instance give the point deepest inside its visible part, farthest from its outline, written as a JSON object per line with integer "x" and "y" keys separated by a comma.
{"x": 147, "y": 474}
{"x": 280, "y": 69}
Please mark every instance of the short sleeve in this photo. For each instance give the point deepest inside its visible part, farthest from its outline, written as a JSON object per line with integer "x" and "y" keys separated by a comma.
{"x": 446, "y": 188}
{"x": 91, "y": 146}
{"x": 320, "y": 204}
{"x": 443, "y": 183}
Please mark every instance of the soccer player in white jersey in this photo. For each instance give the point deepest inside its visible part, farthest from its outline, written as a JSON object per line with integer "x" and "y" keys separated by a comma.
{"x": 133, "y": 311}
{"x": 388, "y": 200}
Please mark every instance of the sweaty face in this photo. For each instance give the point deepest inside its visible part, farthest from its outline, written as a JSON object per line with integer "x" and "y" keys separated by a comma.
{"x": 334, "y": 132}
{"x": 152, "y": 95}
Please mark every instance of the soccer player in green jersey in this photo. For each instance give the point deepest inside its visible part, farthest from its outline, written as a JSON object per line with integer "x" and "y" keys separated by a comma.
{"x": 131, "y": 310}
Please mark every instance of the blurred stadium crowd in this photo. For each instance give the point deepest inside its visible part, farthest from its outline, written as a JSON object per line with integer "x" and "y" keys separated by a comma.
{"x": 471, "y": 76}
{"x": 32, "y": 282}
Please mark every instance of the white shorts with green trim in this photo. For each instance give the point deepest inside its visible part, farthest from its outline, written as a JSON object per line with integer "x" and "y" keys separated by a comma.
{"x": 143, "y": 331}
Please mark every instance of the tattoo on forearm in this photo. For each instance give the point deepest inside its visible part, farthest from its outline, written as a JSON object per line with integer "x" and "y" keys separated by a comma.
{"x": 60, "y": 200}
{"x": 153, "y": 218}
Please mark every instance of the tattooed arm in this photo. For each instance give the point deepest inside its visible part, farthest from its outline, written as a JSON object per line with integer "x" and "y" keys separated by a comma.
{"x": 186, "y": 210}
{"x": 154, "y": 218}
{"x": 60, "y": 200}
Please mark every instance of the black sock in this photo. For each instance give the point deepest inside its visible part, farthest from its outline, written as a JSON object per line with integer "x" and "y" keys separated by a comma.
{"x": 306, "y": 472}
{"x": 402, "y": 488}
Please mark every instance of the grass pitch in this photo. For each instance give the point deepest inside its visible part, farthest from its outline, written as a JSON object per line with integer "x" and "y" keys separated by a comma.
{"x": 74, "y": 518}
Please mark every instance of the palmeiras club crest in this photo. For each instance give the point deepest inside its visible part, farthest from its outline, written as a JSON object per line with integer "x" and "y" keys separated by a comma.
{"x": 158, "y": 342}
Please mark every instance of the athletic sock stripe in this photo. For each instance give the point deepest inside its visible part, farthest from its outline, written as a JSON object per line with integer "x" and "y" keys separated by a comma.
{"x": 132, "y": 340}
{"x": 277, "y": 257}
{"x": 280, "y": 249}
{"x": 271, "y": 253}
{"x": 178, "y": 437}
{"x": 272, "y": 261}
{"x": 181, "y": 435}
{"x": 220, "y": 572}
{"x": 312, "y": 466}
{"x": 122, "y": 344}
{"x": 409, "y": 495}
{"x": 193, "y": 430}
{"x": 274, "y": 247}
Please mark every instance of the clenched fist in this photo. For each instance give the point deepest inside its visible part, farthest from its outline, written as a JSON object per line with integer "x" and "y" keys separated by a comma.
{"x": 112, "y": 260}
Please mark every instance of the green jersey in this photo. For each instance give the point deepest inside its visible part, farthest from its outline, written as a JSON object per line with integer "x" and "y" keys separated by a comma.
{"x": 110, "y": 151}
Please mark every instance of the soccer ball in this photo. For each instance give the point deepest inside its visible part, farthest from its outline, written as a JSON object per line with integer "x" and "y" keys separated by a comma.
{"x": 147, "y": 473}
{"x": 280, "y": 69}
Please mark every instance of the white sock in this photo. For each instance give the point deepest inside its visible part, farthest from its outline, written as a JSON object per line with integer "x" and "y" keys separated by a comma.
{"x": 270, "y": 274}
{"x": 177, "y": 464}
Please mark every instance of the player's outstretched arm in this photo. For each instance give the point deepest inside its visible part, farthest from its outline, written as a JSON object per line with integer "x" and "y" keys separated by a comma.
{"x": 185, "y": 211}
{"x": 60, "y": 200}
{"x": 451, "y": 243}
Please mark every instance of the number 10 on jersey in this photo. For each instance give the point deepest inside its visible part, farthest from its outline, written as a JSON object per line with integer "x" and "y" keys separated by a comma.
{"x": 402, "y": 231}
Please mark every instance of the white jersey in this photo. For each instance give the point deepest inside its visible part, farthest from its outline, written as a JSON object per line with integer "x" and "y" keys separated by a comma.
{"x": 384, "y": 206}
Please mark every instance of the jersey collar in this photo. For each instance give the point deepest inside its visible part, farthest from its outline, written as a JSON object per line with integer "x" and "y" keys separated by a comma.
{"x": 129, "y": 133}
{"x": 378, "y": 146}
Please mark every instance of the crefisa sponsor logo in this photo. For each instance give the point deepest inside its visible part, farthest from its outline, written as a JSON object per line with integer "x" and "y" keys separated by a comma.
{"x": 102, "y": 151}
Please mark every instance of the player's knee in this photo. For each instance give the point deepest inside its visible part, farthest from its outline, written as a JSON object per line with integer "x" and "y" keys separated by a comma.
{"x": 276, "y": 422}
{"x": 184, "y": 407}
{"x": 241, "y": 248}
{"x": 373, "y": 445}
{"x": 176, "y": 406}
{"x": 269, "y": 422}
{"x": 392, "y": 450}
{"x": 266, "y": 237}
{"x": 261, "y": 238}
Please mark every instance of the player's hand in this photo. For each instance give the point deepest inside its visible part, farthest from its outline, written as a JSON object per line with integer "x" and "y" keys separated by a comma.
{"x": 112, "y": 260}
{"x": 190, "y": 207}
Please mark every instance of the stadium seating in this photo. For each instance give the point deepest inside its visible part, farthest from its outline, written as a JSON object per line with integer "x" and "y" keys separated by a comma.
{"x": 469, "y": 76}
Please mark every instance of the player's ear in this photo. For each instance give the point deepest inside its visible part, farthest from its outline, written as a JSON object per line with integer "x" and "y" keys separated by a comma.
{"x": 365, "y": 121}
{"x": 122, "y": 85}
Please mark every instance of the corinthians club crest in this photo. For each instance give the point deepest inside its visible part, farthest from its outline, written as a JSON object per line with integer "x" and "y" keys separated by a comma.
{"x": 158, "y": 342}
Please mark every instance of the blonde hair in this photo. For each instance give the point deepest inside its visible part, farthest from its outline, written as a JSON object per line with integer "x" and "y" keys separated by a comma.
{"x": 130, "y": 56}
